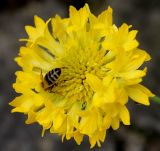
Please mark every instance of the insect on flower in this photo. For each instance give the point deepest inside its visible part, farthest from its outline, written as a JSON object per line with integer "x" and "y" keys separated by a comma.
{"x": 84, "y": 89}
{"x": 50, "y": 78}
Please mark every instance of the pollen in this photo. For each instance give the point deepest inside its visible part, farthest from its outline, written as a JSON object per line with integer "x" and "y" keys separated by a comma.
{"x": 75, "y": 66}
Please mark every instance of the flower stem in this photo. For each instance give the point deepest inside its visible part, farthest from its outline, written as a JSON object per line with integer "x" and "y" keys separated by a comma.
{"x": 155, "y": 99}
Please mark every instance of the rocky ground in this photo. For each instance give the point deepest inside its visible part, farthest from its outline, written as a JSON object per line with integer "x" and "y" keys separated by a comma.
{"x": 143, "y": 135}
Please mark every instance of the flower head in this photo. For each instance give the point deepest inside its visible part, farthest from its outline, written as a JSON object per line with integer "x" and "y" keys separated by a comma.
{"x": 98, "y": 70}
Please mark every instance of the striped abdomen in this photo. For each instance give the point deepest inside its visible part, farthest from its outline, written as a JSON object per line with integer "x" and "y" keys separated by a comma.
{"x": 52, "y": 76}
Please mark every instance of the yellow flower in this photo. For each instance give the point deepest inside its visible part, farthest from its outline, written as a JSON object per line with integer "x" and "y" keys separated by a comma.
{"x": 98, "y": 69}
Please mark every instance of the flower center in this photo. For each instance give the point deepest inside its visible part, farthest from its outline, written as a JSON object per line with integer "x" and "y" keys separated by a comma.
{"x": 72, "y": 82}
{"x": 75, "y": 65}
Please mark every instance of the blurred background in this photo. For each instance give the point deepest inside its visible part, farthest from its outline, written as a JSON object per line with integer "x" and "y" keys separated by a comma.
{"x": 15, "y": 135}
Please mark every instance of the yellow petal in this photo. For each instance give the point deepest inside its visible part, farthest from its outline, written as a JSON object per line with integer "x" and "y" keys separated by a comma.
{"x": 139, "y": 94}
{"x": 94, "y": 82}
{"x": 39, "y": 23}
{"x": 78, "y": 137}
{"x": 60, "y": 117}
{"x": 124, "y": 115}
{"x": 22, "y": 104}
{"x": 79, "y": 18}
{"x": 31, "y": 117}
{"x": 115, "y": 123}
{"x": 122, "y": 96}
{"x": 106, "y": 17}
{"x": 132, "y": 74}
